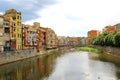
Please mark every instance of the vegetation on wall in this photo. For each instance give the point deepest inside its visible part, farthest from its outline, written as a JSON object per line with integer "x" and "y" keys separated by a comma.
{"x": 107, "y": 39}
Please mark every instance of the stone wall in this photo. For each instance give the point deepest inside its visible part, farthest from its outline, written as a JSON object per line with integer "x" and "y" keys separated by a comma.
{"x": 109, "y": 50}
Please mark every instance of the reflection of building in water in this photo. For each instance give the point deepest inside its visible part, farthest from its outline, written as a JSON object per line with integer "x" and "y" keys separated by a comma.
{"x": 29, "y": 69}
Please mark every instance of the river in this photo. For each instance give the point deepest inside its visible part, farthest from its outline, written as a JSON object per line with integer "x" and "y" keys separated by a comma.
{"x": 60, "y": 66}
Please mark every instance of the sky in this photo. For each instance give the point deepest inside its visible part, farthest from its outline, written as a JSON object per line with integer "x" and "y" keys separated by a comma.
{"x": 67, "y": 17}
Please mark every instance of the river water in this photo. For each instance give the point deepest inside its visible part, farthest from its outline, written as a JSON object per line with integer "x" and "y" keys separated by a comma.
{"x": 60, "y": 66}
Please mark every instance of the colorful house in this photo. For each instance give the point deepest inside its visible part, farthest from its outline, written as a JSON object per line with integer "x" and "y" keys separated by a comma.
{"x": 17, "y": 28}
{"x": 50, "y": 39}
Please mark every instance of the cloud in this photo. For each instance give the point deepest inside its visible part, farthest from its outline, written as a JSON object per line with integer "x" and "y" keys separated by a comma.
{"x": 27, "y": 7}
{"x": 74, "y": 17}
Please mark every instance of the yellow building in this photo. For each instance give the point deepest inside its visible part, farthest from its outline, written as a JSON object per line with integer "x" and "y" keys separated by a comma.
{"x": 17, "y": 27}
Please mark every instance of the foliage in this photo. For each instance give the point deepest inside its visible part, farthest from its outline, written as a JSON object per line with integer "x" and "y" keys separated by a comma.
{"x": 117, "y": 39}
{"x": 107, "y": 39}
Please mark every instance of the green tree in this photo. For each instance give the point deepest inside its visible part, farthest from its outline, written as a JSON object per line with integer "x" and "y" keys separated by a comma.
{"x": 117, "y": 39}
{"x": 109, "y": 40}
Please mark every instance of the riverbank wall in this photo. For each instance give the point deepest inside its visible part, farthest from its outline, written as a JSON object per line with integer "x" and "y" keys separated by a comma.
{"x": 12, "y": 56}
{"x": 109, "y": 50}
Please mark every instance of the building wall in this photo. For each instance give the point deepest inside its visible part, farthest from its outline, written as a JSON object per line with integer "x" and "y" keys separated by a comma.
{"x": 109, "y": 29}
{"x": 29, "y": 37}
{"x": 93, "y": 33}
{"x": 50, "y": 39}
{"x": 25, "y": 36}
{"x": 1, "y": 34}
{"x": 18, "y": 31}
{"x": 16, "y": 16}
{"x": 117, "y": 26}
{"x": 40, "y": 39}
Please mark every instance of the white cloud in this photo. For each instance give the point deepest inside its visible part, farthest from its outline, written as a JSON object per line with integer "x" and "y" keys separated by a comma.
{"x": 76, "y": 17}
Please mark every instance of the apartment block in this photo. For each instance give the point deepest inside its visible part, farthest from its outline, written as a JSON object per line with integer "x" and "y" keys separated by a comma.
{"x": 29, "y": 37}
{"x": 62, "y": 41}
{"x": 50, "y": 39}
{"x": 16, "y": 37}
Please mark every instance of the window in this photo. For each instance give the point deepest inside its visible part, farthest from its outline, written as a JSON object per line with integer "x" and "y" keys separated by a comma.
{"x": 14, "y": 18}
{"x": 6, "y": 30}
{"x": 18, "y": 35}
{"x": 14, "y": 24}
{"x": 18, "y": 17}
{"x": 7, "y": 24}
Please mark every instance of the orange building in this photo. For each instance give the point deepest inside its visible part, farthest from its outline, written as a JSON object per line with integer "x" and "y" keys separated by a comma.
{"x": 93, "y": 33}
{"x": 109, "y": 29}
{"x": 40, "y": 38}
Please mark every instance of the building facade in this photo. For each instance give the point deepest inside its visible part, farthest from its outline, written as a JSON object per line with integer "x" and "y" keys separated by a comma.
{"x": 93, "y": 33}
{"x": 50, "y": 39}
{"x": 1, "y": 34}
{"x": 109, "y": 29}
{"x": 6, "y": 34}
{"x": 17, "y": 28}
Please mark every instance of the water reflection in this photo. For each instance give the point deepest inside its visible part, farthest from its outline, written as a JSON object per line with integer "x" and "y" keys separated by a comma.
{"x": 59, "y": 66}
{"x": 77, "y": 66}
{"x": 36, "y": 68}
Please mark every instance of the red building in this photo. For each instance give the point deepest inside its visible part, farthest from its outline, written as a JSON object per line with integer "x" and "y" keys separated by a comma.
{"x": 93, "y": 33}
{"x": 40, "y": 38}
{"x": 109, "y": 29}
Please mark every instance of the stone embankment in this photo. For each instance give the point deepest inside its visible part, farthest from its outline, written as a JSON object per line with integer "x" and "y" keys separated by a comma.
{"x": 12, "y": 56}
{"x": 109, "y": 50}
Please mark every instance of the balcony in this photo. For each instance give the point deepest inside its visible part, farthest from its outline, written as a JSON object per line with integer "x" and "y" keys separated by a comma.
{"x": 6, "y": 36}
